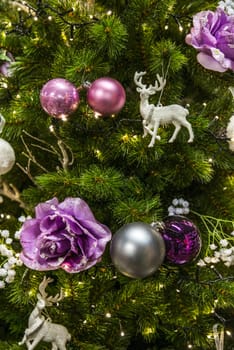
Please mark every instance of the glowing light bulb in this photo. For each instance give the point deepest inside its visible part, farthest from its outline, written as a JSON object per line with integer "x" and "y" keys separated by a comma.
{"x": 108, "y": 315}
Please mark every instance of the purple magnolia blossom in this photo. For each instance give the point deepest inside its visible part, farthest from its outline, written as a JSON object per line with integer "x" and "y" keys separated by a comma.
{"x": 212, "y": 35}
{"x": 63, "y": 235}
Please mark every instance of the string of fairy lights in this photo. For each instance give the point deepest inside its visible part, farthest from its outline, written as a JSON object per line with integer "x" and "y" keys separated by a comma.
{"x": 42, "y": 10}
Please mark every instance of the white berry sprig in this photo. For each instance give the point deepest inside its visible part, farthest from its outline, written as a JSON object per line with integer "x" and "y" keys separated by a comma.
{"x": 9, "y": 258}
{"x": 227, "y": 6}
{"x": 223, "y": 252}
{"x": 178, "y": 207}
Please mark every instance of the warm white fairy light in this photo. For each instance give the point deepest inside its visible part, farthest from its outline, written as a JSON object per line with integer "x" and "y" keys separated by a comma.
{"x": 228, "y": 333}
{"x": 35, "y": 18}
{"x": 97, "y": 115}
{"x": 109, "y": 13}
{"x": 210, "y": 160}
{"x": 63, "y": 117}
{"x": 50, "y": 18}
{"x": 181, "y": 28}
{"x": 122, "y": 334}
{"x": 166, "y": 27}
{"x": 51, "y": 128}
{"x": 108, "y": 315}
{"x": 190, "y": 346}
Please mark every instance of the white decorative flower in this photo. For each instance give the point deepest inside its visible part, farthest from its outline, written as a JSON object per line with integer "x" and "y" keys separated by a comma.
{"x": 2, "y": 284}
{"x": 9, "y": 240}
{"x": 11, "y": 273}
{"x": 223, "y": 242}
{"x": 213, "y": 246}
{"x": 186, "y": 211}
{"x": 3, "y": 272}
{"x": 9, "y": 279}
{"x": 17, "y": 234}
{"x": 175, "y": 202}
{"x": 214, "y": 260}
{"x": 227, "y": 251}
{"x": 201, "y": 263}
{"x": 12, "y": 261}
{"x": 217, "y": 254}
{"x": 5, "y": 233}
{"x": 179, "y": 211}
{"x": 22, "y": 218}
{"x": 207, "y": 259}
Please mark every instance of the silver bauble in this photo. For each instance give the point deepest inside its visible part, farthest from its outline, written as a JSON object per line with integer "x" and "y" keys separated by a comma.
{"x": 7, "y": 157}
{"x": 137, "y": 250}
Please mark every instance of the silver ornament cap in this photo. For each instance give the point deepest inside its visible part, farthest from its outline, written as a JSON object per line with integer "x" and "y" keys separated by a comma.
{"x": 7, "y": 157}
{"x": 137, "y": 250}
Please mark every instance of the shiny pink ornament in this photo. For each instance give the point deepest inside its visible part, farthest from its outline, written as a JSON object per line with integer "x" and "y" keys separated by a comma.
{"x": 106, "y": 96}
{"x": 59, "y": 98}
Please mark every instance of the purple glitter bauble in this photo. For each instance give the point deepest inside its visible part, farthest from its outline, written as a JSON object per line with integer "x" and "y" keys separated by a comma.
{"x": 182, "y": 240}
{"x": 59, "y": 98}
{"x": 106, "y": 96}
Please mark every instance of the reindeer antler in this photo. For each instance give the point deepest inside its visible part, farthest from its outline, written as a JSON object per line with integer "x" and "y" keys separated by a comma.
{"x": 138, "y": 79}
{"x": 51, "y": 299}
{"x": 158, "y": 85}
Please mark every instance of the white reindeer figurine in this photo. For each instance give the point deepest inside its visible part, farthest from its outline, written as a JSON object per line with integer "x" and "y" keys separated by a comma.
{"x": 42, "y": 329}
{"x": 154, "y": 116}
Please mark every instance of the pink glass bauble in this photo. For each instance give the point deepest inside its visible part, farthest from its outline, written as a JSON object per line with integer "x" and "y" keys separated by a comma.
{"x": 106, "y": 96}
{"x": 59, "y": 98}
{"x": 182, "y": 240}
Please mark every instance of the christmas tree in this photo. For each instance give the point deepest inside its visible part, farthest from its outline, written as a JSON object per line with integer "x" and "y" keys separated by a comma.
{"x": 116, "y": 174}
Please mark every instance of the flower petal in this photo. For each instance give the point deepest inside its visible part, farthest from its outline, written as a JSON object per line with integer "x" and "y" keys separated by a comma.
{"x": 209, "y": 62}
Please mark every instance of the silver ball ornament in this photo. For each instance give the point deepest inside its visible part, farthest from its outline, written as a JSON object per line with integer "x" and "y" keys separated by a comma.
{"x": 137, "y": 250}
{"x": 7, "y": 157}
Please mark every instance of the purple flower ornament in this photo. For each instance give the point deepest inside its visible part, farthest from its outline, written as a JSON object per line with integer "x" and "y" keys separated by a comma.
{"x": 63, "y": 235}
{"x": 212, "y": 35}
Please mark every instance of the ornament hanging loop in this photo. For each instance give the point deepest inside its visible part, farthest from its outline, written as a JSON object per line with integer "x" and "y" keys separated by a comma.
{"x": 2, "y": 123}
{"x": 218, "y": 337}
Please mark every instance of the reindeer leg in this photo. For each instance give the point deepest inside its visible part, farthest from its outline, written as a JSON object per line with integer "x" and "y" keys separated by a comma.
{"x": 145, "y": 128}
{"x": 54, "y": 346}
{"x": 35, "y": 342}
{"x": 187, "y": 125}
{"x": 154, "y": 134}
{"x": 177, "y": 129}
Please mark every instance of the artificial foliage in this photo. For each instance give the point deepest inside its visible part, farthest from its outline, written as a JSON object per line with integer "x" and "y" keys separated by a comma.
{"x": 105, "y": 161}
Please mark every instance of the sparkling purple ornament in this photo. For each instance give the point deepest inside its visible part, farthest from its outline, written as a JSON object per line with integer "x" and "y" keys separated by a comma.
{"x": 106, "y": 96}
{"x": 59, "y": 98}
{"x": 182, "y": 240}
